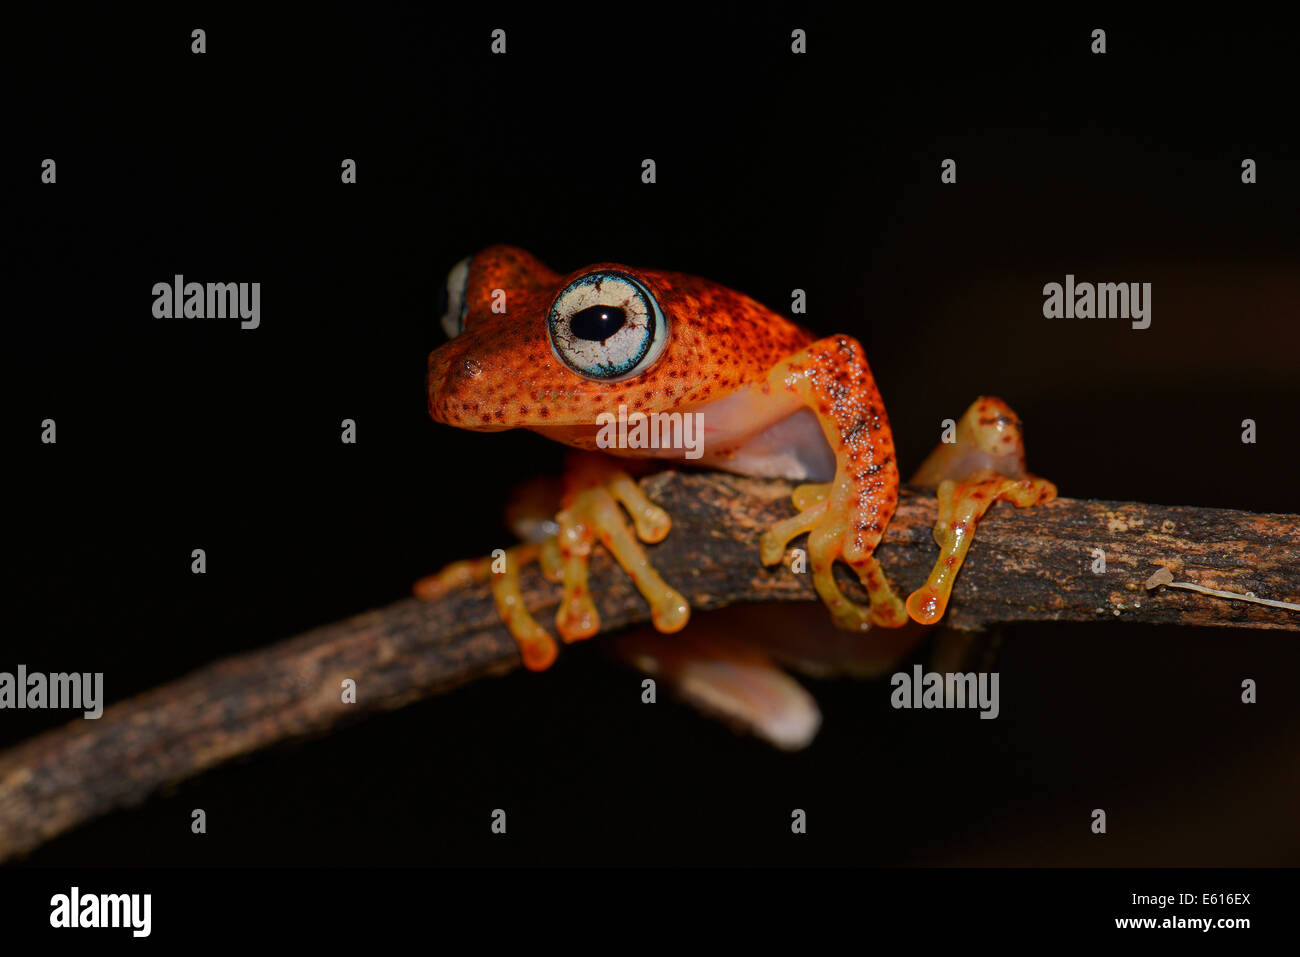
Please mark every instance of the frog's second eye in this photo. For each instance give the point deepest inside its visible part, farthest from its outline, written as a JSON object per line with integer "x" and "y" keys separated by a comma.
{"x": 606, "y": 325}
{"x": 453, "y": 302}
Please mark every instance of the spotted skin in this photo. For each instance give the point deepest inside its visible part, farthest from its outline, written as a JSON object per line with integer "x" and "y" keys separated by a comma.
{"x": 740, "y": 363}
{"x": 500, "y": 372}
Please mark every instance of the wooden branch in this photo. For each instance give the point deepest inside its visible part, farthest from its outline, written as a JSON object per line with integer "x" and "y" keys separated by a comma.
{"x": 1025, "y": 565}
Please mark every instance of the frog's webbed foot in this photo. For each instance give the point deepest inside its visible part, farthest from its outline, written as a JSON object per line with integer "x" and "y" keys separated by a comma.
{"x": 985, "y": 464}
{"x": 594, "y": 488}
{"x": 846, "y": 517}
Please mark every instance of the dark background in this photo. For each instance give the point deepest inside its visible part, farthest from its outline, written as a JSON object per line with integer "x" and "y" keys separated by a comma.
{"x": 775, "y": 172}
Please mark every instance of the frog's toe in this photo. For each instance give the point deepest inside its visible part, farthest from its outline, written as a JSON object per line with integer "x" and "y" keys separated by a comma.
{"x": 592, "y": 514}
{"x": 453, "y": 576}
{"x": 652, "y": 522}
{"x": 536, "y": 646}
{"x": 885, "y": 608}
{"x": 961, "y": 506}
{"x": 576, "y": 618}
{"x": 810, "y": 502}
{"x": 836, "y": 533}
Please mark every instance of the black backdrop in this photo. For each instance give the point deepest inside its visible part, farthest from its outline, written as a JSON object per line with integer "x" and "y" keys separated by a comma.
{"x": 775, "y": 172}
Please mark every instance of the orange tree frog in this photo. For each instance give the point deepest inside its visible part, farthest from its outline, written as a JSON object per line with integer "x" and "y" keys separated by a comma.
{"x": 531, "y": 348}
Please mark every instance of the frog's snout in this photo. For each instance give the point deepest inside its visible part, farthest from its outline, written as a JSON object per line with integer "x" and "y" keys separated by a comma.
{"x": 440, "y": 389}
{"x": 451, "y": 382}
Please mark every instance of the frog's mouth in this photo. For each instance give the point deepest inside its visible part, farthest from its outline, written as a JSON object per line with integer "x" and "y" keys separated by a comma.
{"x": 749, "y": 432}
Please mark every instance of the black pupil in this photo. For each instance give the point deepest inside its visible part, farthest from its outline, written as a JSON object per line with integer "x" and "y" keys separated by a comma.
{"x": 597, "y": 323}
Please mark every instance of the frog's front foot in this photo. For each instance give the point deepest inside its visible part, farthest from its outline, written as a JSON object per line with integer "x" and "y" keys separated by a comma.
{"x": 846, "y": 517}
{"x": 837, "y": 531}
{"x": 594, "y": 489}
{"x": 989, "y": 437}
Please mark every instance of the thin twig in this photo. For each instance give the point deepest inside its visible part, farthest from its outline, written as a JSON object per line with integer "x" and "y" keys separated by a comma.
{"x": 1164, "y": 577}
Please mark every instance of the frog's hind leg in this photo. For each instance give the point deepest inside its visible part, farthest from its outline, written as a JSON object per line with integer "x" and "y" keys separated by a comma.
{"x": 985, "y": 464}
{"x": 715, "y": 668}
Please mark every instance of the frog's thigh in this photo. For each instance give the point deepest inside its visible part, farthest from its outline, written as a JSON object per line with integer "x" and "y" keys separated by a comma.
{"x": 845, "y": 518}
{"x": 594, "y": 485}
{"x": 713, "y": 667}
{"x": 984, "y": 465}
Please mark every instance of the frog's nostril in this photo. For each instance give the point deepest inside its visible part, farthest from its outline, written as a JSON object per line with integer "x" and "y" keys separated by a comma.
{"x": 450, "y": 371}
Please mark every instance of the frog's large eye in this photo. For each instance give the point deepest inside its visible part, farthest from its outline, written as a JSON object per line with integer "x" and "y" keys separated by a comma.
{"x": 453, "y": 302}
{"x": 606, "y": 325}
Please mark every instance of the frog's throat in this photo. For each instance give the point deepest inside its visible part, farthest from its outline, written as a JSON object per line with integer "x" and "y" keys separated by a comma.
{"x": 747, "y": 432}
